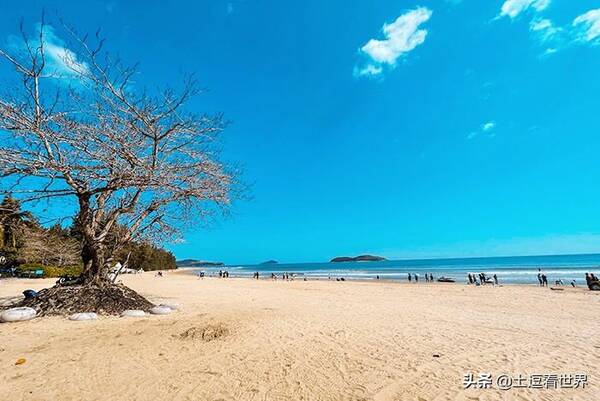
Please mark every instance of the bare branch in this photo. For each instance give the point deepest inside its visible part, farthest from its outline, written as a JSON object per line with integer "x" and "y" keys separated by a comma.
{"x": 130, "y": 159}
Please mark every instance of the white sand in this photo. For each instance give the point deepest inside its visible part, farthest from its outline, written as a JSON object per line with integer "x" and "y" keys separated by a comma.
{"x": 316, "y": 340}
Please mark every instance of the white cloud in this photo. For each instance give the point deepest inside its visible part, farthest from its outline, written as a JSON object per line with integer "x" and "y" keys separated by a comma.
{"x": 401, "y": 36}
{"x": 540, "y": 24}
{"x": 548, "y": 35}
{"x": 369, "y": 70}
{"x": 544, "y": 29}
{"x": 588, "y": 25}
{"x": 585, "y": 29}
{"x": 512, "y": 8}
{"x": 488, "y": 126}
{"x": 61, "y": 62}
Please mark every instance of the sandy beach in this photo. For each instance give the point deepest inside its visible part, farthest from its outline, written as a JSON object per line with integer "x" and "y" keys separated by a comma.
{"x": 242, "y": 339}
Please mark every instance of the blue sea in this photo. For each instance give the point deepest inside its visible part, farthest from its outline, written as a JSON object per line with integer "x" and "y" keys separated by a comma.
{"x": 510, "y": 270}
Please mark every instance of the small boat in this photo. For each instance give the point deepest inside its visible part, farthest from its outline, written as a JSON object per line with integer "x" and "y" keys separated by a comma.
{"x": 446, "y": 280}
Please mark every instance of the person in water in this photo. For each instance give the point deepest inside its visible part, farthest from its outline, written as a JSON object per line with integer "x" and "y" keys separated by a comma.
{"x": 409, "y": 277}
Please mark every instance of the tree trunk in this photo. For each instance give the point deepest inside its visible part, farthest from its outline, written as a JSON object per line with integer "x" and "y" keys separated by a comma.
{"x": 94, "y": 271}
{"x": 92, "y": 251}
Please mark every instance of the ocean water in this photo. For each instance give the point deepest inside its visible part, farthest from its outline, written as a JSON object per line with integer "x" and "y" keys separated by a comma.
{"x": 510, "y": 270}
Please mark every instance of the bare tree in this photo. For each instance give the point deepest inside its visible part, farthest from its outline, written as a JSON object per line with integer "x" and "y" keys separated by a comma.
{"x": 129, "y": 158}
{"x": 48, "y": 248}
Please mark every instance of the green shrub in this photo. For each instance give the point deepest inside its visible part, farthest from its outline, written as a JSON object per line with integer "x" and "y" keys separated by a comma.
{"x": 51, "y": 271}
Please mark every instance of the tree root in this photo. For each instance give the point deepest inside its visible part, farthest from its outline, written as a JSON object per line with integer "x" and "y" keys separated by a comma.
{"x": 108, "y": 299}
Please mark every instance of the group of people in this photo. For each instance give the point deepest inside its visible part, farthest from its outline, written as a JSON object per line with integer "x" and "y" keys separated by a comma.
{"x": 482, "y": 279}
{"x": 284, "y": 276}
{"x": 428, "y": 277}
{"x": 590, "y": 278}
{"x": 542, "y": 279}
{"x": 477, "y": 279}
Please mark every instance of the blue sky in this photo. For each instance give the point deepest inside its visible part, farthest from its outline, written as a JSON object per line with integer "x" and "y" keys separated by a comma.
{"x": 429, "y": 128}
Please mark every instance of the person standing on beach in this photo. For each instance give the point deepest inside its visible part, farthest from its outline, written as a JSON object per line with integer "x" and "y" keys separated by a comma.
{"x": 416, "y": 277}
{"x": 430, "y": 277}
{"x": 409, "y": 277}
{"x": 495, "y": 279}
{"x": 588, "y": 279}
{"x": 544, "y": 280}
{"x": 540, "y": 279}
{"x": 470, "y": 277}
{"x": 426, "y": 278}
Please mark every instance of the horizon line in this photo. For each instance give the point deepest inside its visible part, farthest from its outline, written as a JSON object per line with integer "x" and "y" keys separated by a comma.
{"x": 403, "y": 259}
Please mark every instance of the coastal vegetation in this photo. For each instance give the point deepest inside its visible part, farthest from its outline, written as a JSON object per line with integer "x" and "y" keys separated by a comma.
{"x": 28, "y": 246}
{"x": 198, "y": 263}
{"x": 133, "y": 166}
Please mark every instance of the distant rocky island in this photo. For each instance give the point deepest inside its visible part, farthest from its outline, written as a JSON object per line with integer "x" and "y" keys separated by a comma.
{"x": 270, "y": 262}
{"x": 197, "y": 263}
{"x": 360, "y": 258}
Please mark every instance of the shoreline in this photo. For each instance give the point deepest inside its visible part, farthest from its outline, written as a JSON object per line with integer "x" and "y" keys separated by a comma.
{"x": 193, "y": 271}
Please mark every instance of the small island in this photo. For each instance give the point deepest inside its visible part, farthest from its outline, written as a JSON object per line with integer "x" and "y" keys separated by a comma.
{"x": 197, "y": 263}
{"x": 360, "y": 258}
{"x": 269, "y": 262}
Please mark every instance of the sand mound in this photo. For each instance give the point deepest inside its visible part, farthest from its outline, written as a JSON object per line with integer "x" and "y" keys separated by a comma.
{"x": 206, "y": 333}
{"x": 105, "y": 300}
